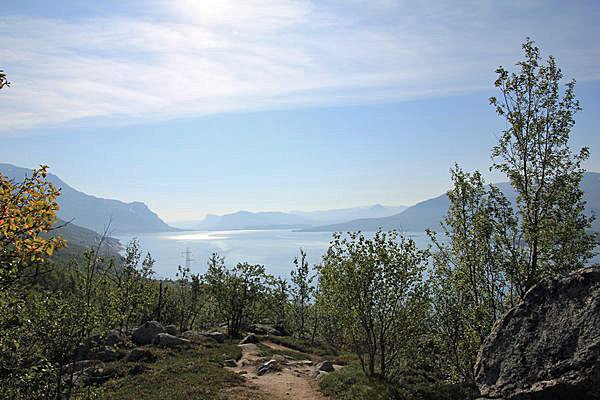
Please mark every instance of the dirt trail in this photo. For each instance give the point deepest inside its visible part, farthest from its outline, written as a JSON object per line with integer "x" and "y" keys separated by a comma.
{"x": 296, "y": 380}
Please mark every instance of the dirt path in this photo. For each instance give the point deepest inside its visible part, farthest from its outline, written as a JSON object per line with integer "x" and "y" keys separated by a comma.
{"x": 295, "y": 380}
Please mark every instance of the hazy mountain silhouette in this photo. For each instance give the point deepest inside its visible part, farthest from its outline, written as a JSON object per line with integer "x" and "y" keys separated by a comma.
{"x": 347, "y": 214}
{"x": 249, "y": 220}
{"x": 429, "y": 213}
{"x": 94, "y": 212}
{"x": 283, "y": 220}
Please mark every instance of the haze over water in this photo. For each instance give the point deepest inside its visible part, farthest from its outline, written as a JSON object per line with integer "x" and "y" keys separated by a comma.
{"x": 275, "y": 249}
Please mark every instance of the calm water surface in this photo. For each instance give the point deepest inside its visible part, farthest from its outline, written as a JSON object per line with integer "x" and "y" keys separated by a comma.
{"x": 275, "y": 249}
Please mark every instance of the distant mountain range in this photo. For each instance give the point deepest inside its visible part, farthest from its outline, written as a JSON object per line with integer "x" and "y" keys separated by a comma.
{"x": 283, "y": 220}
{"x": 429, "y": 213}
{"x": 93, "y": 212}
{"x": 347, "y": 214}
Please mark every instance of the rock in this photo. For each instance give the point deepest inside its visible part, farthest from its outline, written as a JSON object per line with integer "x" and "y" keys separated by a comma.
{"x": 141, "y": 354}
{"x": 249, "y": 339}
{"x": 326, "y": 366}
{"x": 146, "y": 333}
{"x": 97, "y": 376}
{"x": 217, "y": 336}
{"x": 230, "y": 362}
{"x": 264, "y": 329}
{"x": 101, "y": 347}
{"x": 81, "y": 365}
{"x": 171, "y": 330}
{"x": 280, "y": 359}
{"x": 319, "y": 374}
{"x": 548, "y": 346}
{"x": 107, "y": 354}
{"x": 269, "y": 366}
{"x": 166, "y": 340}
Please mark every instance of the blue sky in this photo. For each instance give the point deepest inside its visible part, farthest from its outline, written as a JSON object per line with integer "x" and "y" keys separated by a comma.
{"x": 211, "y": 107}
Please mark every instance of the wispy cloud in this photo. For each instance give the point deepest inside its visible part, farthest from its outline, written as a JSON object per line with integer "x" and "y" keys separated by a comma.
{"x": 189, "y": 58}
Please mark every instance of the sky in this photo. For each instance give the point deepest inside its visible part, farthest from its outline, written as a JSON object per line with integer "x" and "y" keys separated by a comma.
{"x": 197, "y": 107}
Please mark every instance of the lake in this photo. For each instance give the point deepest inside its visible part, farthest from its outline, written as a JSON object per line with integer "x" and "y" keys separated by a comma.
{"x": 275, "y": 249}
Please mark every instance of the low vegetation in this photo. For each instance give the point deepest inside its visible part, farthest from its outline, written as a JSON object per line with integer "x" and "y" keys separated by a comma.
{"x": 405, "y": 322}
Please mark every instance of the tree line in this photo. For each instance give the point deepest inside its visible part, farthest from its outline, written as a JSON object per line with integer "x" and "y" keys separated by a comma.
{"x": 380, "y": 296}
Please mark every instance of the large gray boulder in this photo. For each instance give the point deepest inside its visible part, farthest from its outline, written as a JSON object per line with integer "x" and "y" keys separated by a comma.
{"x": 549, "y": 346}
{"x": 166, "y": 340}
{"x": 146, "y": 333}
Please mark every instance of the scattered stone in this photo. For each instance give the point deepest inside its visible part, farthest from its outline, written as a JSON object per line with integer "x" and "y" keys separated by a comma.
{"x": 171, "y": 330}
{"x": 249, "y": 339}
{"x": 269, "y": 366}
{"x": 242, "y": 372}
{"x": 231, "y": 363}
{"x": 319, "y": 374}
{"x": 81, "y": 365}
{"x": 166, "y": 340}
{"x": 141, "y": 354}
{"x": 107, "y": 354}
{"x": 548, "y": 346}
{"x": 280, "y": 359}
{"x": 217, "y": 336}
{"x": 101, "y": 347}
{"x": 146, "y": 333}
{"x": 326, "y": 366}
{"x": 264, "y": 329}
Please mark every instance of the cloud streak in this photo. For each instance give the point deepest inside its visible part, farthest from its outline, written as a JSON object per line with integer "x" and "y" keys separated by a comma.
{"x": 187, "y": 58}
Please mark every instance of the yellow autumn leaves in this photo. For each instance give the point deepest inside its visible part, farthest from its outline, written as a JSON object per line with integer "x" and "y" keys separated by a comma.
{"x": 27, "y": 210}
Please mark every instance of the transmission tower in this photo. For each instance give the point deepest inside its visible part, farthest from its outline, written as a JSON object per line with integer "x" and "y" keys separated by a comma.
{"x": 188, "y": 260}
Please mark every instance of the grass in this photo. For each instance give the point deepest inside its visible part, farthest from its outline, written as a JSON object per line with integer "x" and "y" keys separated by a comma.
{"x": 192, "y": 372}
{"x": 266, "y": 351}
{"x": 351, "y": 383}
{"x": 305, "y": 346}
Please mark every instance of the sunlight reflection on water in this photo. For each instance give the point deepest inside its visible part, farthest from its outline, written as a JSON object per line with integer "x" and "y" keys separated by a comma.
{"x": 275, "y": 249}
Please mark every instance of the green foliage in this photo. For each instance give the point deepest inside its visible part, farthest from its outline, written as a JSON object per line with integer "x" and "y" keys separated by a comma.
{"x": 498, "y": 250}
{"x": 302, "y": 292}
{"x": 548, "y": 235}
{"x": 470, "y": 290}
{"x": 280, "y": 305}
{"x": 39, "y": 333}
{"x": 351, "y": 383}
{"x": 130, "y": 294}
{"x": 191, "y": 296}
{"x": 375, "y": 287}
{"x": 238, "y": 294}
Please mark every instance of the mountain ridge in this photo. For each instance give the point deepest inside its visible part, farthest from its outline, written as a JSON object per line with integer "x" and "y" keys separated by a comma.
{"x": 429, "y": 213}
{"x": 95, "y": 213}
{"x": 283, "y": 220}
